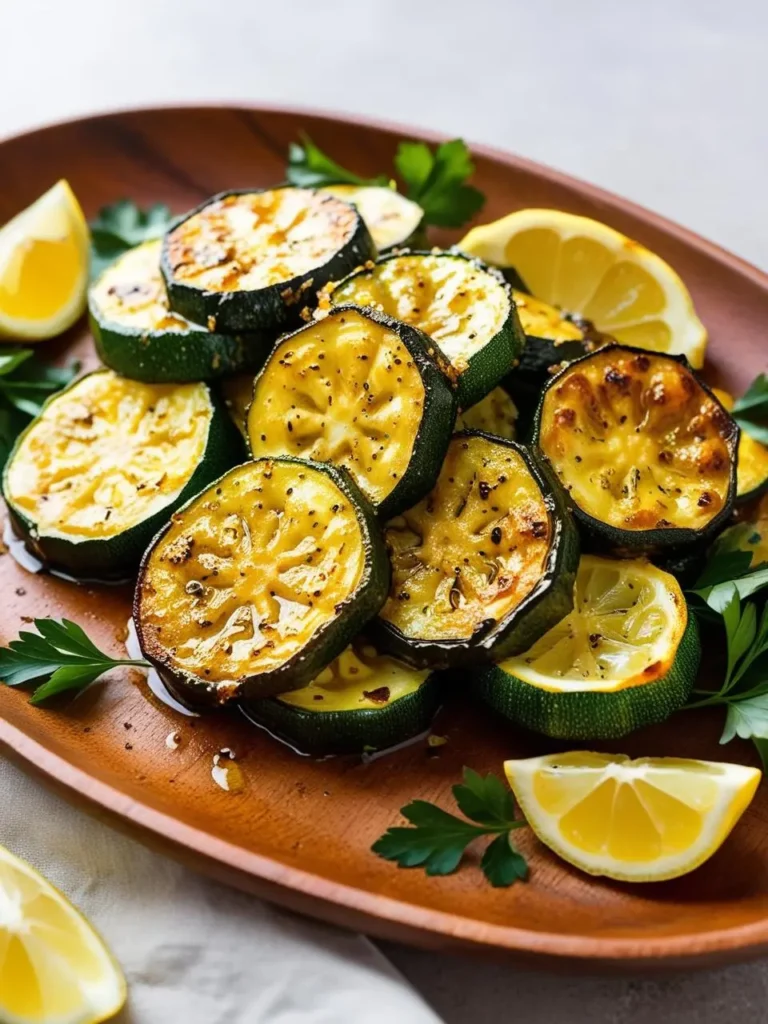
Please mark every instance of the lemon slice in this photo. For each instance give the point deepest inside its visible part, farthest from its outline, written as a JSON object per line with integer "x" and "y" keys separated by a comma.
{"x": 637, "y": 821}
{"x": 44, "y": 260}
{"x": 585, "y": 267}
{"x": 54, "y": 969}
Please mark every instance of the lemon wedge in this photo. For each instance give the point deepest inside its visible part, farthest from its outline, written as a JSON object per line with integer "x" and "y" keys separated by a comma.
{"x": 638, "y": 821}
{"x": 54, "y": 969}
{"x": 582, "y": 266}
{"x": 44, "y": 261}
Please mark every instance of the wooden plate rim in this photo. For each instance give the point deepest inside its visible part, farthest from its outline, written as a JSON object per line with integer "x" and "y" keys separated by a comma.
{"x": 425, "y": 926}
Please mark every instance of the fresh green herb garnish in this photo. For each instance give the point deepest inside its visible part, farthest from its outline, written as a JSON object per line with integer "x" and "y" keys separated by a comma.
{"x": 25, "y": 383}
{"x": 61, "y": 653}
{"x": 309, "y": 167}
{"x": 751, "y": 410}
{"x": 435, "y": 179}
{"x": 123, "y": 225}
{"x": 437, "y": 840}
{"x": 725, "y": 587}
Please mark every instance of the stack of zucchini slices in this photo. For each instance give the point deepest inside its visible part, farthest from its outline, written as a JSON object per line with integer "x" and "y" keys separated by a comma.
{"x": 324, "y": 428}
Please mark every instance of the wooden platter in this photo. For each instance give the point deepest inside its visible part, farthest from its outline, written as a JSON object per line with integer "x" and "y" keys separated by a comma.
{"x": 299, "y": 831}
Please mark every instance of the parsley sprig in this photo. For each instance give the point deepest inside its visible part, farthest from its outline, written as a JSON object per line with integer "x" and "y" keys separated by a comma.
{"x": 433, "y": 178}
{"x": 62, "y": 654}
{"x": 25, "y": 383}
{"x": 437, "y": 840}
{"x": 123, "y": 225}
{"x": 724, "y": 591}
{"x": 751, "y": 410}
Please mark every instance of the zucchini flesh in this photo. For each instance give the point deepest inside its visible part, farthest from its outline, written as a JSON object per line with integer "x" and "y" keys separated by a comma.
{"x": 237, "y": 392}
{"x": 540, "y": 320}
{"x": 362, "y": 701}
{"x": 495, "y": 414}
{"x": 93, "y": 478}
{"x": 488, "y": 542}
{"x": 645, "y": 451}
{"x": 752, "y": 468}
{"x": 138, "y": 335}
{"x": 107, "y": 454}
{"x": 260, "y": 581}
{"x": 359, "y": 678}
{"x": 254, "y": 260}
{"x": 465, "y": 307}
{"x": 359, "y": 390}
{"x": 393, "y": 220}
{"x": 132, "y": 294}
{"x": 625, "y": 657}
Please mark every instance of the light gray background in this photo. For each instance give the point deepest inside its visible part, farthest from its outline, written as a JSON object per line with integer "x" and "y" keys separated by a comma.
{"x": 663, "y": 101}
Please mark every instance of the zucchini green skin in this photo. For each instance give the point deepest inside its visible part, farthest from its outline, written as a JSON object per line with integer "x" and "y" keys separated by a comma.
{"x": 436, "y": 428}
{"x": 326, "y": 644}
{"x": 117, "y": 558}
{"x": 499, "y": 355}
{"x": 604, "y": 537}
{"x": 264, "y": 309}
{"x": 549, "y": 601}
{"x": 172, "y": 357}
{"x": 591, "y": 715}
{"x": 319, "y": 733}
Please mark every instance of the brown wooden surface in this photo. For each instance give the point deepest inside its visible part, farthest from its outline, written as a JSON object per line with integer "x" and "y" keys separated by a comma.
{"x": 300, "y": 831}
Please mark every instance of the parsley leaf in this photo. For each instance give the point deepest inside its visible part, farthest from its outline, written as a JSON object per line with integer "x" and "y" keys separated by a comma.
{"x": 61, "y": 653}
{"x": 502, "y": 864}
{"x": 437, "y": 840}
{"x": 744, "y": 689}
{"x": 25, "y": 384}
{"x": 435, "y": 179}
{"x": 309, "y": 167}
{"x": 751, "y": 410}
{"x": 122, "y": 226}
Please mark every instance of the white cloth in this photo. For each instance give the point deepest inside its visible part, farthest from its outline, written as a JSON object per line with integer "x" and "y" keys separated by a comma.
{"x": 193, "y": 951}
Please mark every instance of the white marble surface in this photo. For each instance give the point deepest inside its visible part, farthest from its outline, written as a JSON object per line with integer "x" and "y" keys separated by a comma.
{"x": 660, "y": 100}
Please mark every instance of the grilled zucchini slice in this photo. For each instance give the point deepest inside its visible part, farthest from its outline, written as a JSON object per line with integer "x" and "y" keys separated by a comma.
{"x": 363, "y": 701}
{"x": 626, "y": 656}
{"x": 252, "y": 261}
{"x": 138, "y": 336}
{"x": 93, "y": 478}
{"x": 358, "y": 389}
{"x": 484, "y": 564}
{"x": 393, "y": 220}
{"x": 752, "y": 468}
{"x": 465, "y": 307}
{"x": 494, "y": 414}
{"x": 259, "y": 582}
{"x": 237, "y": 392}
{"x": 645, "y": 451}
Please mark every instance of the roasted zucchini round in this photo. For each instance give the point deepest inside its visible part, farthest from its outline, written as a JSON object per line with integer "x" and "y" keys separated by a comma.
{"x": 626, "y": 656}
{"x": 358, "y": 389}
{"x": 237, "y": 393}
{"x": 252, "y": 261}
{"x": 645, "y": 451}
{"x": 93, "y": 478}
{"x": 465, "y": 307}
{"x": 393, "y": 220}
{"x": 484, "y": 564}
{"x": 551, "y": 339}
{"x": 259, "y": 582}
{"x": 494, "y": 414}
{"x": 363, "y": 701}
{"x": 138, "y": 336}
{"x": 752, "y": 468}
